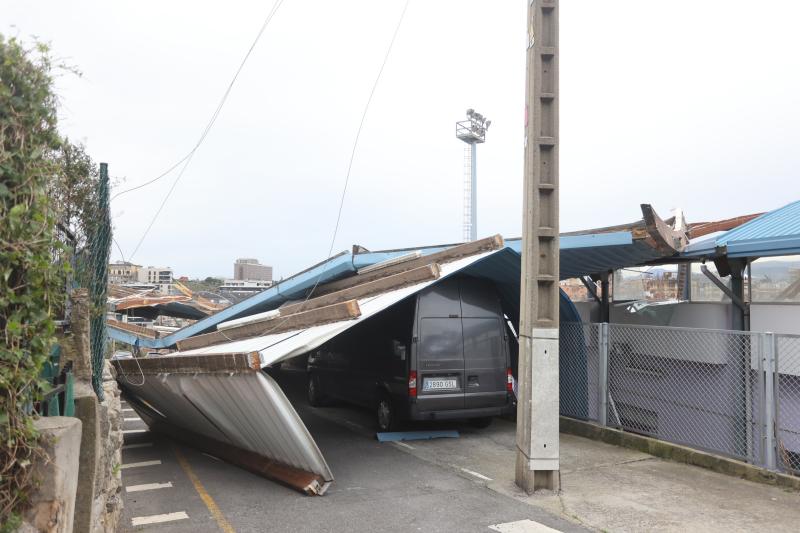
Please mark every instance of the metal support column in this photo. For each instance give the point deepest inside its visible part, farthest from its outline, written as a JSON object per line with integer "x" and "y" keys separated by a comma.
{"x": 537, "y": 465}
{"x": 602, "y": 375}
{"x": 605, "y": 301}
{"x": 473, "y": 228}
{"x": 770, "y": 369}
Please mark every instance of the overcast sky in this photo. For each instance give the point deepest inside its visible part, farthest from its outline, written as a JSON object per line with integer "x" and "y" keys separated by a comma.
{"x": 679, "y": 105}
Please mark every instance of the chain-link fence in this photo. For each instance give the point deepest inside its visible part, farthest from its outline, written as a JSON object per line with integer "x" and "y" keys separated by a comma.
{"x": 579, "y": 346}
{"x": 87, "y": 255}
{"x": 732, "y": 393}
{"x": 788, "y": 402}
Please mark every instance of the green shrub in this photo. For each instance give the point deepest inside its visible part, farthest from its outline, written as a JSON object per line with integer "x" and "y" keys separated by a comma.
{"x": 29, "y": 278}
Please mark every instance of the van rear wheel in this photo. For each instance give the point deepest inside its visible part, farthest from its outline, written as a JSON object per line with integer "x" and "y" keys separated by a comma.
{"x": 386, "y": 415}
{"x": 481, "y": 423}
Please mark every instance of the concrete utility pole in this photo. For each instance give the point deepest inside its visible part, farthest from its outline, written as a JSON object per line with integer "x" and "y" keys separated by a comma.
{"x": 538, "y": 406}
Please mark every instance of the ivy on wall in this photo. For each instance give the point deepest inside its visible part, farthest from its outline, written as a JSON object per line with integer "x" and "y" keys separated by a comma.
{"x": 30, "y": 281}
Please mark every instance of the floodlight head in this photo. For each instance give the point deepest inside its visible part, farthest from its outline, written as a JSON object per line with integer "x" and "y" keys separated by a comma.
{"x": 470, "y": 112}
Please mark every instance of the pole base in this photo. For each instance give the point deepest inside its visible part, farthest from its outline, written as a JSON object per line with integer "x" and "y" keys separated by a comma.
{"x": 532, "y": 481}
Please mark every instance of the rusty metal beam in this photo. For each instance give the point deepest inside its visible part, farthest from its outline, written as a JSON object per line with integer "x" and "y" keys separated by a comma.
{"x": 190, "y": 364}
{"x": 699, "y": 229}
{"x": 306, "y": 482}
{"x": 133, "y": 328}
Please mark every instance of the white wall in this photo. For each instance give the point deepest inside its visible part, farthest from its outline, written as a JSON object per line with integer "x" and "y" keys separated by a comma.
{"x": 690, "y": 315}
{"x": 777, "y": 318}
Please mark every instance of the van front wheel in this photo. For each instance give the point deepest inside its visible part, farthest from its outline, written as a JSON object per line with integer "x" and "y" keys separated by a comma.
{"x": 387, "y": 419}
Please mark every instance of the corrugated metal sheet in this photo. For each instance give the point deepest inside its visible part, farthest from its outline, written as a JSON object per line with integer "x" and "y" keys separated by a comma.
{"x": 247, "y": 410}
{"x": 771, "y": 234}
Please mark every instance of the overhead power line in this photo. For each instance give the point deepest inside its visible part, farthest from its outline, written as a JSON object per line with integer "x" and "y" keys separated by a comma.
{"x": 187, "y": 159}
{"x": 349, "y": 170}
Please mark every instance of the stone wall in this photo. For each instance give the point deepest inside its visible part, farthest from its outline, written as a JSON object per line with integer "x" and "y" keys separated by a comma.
{"x": 107, "y": 505}
{"x": 98, "y": 504}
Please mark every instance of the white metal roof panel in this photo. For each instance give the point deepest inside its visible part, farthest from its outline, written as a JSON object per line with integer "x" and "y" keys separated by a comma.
{"x": 281, "y": 346}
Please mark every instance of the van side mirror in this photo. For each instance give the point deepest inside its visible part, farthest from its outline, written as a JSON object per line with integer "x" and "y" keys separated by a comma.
{"x": 399, "y": 350}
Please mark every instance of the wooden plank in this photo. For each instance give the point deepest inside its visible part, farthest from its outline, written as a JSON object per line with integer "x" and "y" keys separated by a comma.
{"x": 386, "y": 284}
{"x": 190, "y": 364}
{"x": 306, "y": 319}
{"x": 445, "y": 256}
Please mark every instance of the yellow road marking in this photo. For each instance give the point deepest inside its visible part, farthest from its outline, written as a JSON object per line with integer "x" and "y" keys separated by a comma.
{"x": 223, "y": 524}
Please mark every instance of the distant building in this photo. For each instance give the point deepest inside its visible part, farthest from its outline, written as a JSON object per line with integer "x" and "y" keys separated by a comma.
{"x": 251, "y": 269}
{"x": 160, "y": 276}
{"x": 122, "y": 272}
{"x": 244, "y": 287}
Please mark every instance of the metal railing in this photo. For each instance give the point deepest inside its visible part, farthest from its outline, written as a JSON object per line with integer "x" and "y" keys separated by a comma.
{"x": 732, "y": 393}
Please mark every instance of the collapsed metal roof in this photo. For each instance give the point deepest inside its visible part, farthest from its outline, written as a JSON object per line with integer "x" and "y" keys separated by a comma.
{"x": 582, "y": 253}
{"x": 215, "y": 396}
{"x": 209, "y": 392}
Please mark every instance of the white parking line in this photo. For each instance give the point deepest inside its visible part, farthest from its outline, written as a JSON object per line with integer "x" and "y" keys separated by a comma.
{"x": 158, "y": 518}
{"x": 403, "y": 444}
{"x": 138, "y": 445}
{"x": 137, "y": 419}
{"x": 142, "y": 463}
{"x": 126, "y": 431}
{"x": 523, "y": 526}
{"x": 477, "y": 475}
{"x": 149, "y": 486}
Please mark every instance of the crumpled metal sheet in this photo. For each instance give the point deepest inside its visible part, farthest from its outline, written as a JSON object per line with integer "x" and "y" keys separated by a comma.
{"x": 246, "y": 410}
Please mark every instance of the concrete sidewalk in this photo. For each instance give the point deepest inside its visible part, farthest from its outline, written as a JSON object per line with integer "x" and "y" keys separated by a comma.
{"x": 609, "y": 488}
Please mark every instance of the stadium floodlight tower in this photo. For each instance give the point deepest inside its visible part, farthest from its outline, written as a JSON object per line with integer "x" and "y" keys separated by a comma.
{"x": 473, "y": 132}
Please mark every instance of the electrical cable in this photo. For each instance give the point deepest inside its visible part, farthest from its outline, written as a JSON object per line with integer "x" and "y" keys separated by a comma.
{"x": 188, "y": 158}
{"x": 349, "y": 170}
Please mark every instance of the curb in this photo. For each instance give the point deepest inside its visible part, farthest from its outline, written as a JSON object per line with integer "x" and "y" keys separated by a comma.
{"x": 678, "y": 453}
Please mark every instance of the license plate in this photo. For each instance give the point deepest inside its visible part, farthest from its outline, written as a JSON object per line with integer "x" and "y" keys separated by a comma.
{"x": 439, "y": 384}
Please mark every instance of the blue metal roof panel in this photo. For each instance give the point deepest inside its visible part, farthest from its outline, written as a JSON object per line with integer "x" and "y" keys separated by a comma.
{"x": 288, "y": 289}
{"x": 773, "y": 233}
{"x": 783, "y": 223}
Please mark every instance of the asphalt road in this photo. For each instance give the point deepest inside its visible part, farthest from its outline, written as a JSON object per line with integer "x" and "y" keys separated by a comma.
{"x": 378, "y": 486}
